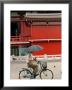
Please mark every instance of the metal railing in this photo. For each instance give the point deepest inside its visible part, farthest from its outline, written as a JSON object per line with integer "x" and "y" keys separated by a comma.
{"x": 15, "y": 38}
{"x": 18, "y": 38}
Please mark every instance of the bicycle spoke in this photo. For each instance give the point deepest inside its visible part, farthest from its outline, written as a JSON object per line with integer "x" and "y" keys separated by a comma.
{"x": 46, "y": 74}
{"x": 25, "y": 74}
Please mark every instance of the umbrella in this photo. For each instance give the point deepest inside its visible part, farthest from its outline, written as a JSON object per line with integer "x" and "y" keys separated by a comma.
{"x": 34, "y": 48}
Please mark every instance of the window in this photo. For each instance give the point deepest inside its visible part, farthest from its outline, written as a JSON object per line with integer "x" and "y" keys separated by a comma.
{"x": 15, "y": 31}
{"x": 19, "y": 50}
{"x": 15, "y": 50}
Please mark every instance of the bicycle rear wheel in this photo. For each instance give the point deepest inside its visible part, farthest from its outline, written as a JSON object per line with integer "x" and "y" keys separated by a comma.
{"x": 25, "y": 74}
{"x": 46, "y": 74}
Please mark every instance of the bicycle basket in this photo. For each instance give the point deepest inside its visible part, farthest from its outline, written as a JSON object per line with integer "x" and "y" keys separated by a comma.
{"x": 43, "y": 65}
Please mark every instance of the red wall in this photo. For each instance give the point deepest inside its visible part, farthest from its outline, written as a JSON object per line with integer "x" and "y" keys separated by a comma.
{"x": 49, "y": 48}
{"x": 46, "y": 32}
{"x": 42, "y": 32}
{"x": 25, "y": 30}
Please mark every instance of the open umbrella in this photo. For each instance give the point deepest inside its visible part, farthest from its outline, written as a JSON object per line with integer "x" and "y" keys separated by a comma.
{"x": 35, "y": 48}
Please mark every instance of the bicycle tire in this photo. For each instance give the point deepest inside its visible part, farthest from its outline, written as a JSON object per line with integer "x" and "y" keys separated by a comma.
{"x": 28, "y": 71}
{"x": 47, "y": 71}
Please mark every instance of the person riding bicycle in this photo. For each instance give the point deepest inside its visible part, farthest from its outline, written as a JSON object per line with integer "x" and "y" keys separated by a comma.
{"x": 39, "y": 68}
{"x": 32, "y": 63}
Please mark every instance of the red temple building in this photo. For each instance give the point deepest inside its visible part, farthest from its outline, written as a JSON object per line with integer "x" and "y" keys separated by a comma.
{"x": 36, "y": 28}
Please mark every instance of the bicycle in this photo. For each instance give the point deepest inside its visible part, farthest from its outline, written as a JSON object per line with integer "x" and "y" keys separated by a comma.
{"x": 43, "y": 72}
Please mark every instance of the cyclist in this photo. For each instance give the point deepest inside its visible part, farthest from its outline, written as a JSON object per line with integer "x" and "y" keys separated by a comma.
{"x": 33, "y": 64}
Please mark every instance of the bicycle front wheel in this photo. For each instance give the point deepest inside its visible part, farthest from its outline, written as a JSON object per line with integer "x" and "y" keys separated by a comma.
{"x": 46, "y": 74}
{"x": 24, "y": 74}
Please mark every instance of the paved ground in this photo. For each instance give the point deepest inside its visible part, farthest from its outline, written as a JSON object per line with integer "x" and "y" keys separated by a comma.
{"x": 16, "y": 66}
